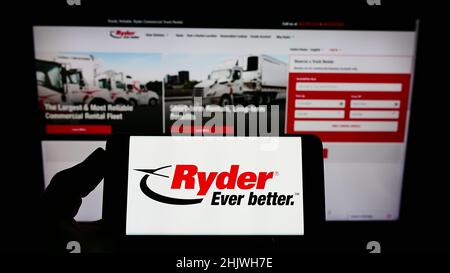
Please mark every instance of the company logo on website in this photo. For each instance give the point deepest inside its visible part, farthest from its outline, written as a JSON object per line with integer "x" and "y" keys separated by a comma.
{"x": 190, "y": 177}
{"x": 123, "y": 34}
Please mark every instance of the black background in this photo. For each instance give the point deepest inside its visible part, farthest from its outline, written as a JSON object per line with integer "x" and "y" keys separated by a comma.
{"x": 424, "y": 213}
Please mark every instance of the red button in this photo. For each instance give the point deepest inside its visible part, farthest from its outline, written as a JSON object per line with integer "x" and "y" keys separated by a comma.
{"x": 202, "y": 129}
{"x": 79, "y": 129}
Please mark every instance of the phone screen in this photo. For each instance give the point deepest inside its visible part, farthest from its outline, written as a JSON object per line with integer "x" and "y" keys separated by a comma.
{"x": 215, "y": 186}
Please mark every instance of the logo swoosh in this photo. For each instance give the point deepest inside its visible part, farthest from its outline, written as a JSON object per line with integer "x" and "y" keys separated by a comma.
{"x": 165, "y": 199}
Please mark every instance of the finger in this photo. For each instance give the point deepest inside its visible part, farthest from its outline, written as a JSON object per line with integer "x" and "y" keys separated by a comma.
{"x": 64, "y": 193}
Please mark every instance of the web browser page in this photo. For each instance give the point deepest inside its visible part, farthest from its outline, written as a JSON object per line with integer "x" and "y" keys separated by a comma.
{"x": 264, "y": 196}
{"x": 352, "y": 88}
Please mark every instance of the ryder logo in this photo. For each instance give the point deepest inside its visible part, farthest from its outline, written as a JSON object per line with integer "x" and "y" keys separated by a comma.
{"x": 158, "y": 197}
{"x": 123, "y": 34}
{"x": 189, "y": 177}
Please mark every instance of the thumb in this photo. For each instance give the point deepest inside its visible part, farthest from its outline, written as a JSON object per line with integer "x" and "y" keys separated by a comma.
{"x": 62, "y": 198}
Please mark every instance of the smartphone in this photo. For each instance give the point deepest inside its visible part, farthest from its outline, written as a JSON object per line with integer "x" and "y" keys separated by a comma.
{"x": 213, "y": 187}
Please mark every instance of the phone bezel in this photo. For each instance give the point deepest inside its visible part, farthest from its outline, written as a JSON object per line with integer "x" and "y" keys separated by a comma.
{"x": 115, "y": 200}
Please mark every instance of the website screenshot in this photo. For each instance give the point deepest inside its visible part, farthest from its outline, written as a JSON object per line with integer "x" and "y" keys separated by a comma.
{"x": 352, "y": 88}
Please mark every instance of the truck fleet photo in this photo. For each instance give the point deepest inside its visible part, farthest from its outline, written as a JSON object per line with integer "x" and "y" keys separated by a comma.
{"x": 257, "y": 79}
{"x": 79, "y": 79}
{"x": 83, "y": 79}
